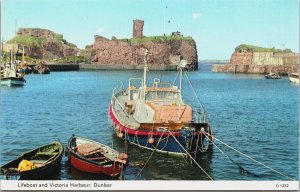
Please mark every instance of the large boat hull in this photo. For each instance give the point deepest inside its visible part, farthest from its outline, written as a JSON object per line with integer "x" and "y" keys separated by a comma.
{"x": 170, "y": 142}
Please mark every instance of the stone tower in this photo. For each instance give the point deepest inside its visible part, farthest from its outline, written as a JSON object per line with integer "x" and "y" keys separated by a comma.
{"x": 138, "y": 28}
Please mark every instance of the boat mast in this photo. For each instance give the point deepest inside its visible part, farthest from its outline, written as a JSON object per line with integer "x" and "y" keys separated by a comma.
{"x": 23, "y": 55}
{"x": 145, "y": 69}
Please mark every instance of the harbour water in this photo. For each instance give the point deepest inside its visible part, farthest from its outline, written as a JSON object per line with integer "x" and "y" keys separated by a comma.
{"x": 257, "y": 116}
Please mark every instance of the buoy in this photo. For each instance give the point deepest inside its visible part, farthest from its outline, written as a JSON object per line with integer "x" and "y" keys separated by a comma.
{"x": 123, "y": 156}
{"x": 120, "y": 135}
{"x": 151, "y": 140}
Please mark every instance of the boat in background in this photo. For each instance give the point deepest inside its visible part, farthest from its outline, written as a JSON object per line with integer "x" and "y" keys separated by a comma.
{"x": 36, "y": 163}
{"x": 41, "y": 68}
{"x": 294, "y": 78}
{"x": 10, "y": 76}
{"x": 273, "y": 76}
{"x": 94, "y": 157}
{"x": 157, "y": 118}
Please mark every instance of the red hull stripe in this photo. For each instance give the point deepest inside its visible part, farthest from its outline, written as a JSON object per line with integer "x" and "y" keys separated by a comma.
{"x": 113, "y": 170}
{"x": 135, "y": 132}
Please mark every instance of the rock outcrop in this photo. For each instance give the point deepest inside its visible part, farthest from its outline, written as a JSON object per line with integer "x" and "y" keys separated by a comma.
{"x": 163, "y": 50}
{"x": 252, "y": 59}
{"x": 43, "y": 43}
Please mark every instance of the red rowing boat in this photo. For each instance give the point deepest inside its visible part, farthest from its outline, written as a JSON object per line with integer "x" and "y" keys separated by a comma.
{"x": 93, "y": 157}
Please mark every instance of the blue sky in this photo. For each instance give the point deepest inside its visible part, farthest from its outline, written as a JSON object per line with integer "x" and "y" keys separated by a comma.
{"x": 218, "y": 26}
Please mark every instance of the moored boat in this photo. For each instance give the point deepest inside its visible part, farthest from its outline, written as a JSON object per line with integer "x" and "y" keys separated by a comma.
{"x": 36, "y": 163}
{"x": 10, "y": 76}
{"x": 94, "y": 157}
{"x": 294, "y": 78}
{"x": 273, "y": 76}
{"x": 41, "y": 68}
{"x": 157, "y": 118}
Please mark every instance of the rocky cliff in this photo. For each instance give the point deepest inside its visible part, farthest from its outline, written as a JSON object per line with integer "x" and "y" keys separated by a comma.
{"x": 163, "y": 50}
{"x": 43, "y": 43}
{"x": 253, "y": 59}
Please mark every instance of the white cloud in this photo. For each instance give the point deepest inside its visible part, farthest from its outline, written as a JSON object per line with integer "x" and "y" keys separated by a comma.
{"x": 100, "y": 30}
{"x": 196, "y": 15}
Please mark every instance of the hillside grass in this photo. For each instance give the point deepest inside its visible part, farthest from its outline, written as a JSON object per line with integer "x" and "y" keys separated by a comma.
{"x": 254, "y": 48}
{"x": 27, "y": 40}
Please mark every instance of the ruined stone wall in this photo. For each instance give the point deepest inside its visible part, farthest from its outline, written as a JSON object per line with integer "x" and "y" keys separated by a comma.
{"x": 256, "y": 69}
{"x": 115, "y": 51}
{"x": 138, "y": 28}
{"x": 36, "y": 32}
{"x": 267, "y": 58}
{"x": 288, "y": 58}
{"x": 264, "y": 58}
{"x": 241, "y": 58}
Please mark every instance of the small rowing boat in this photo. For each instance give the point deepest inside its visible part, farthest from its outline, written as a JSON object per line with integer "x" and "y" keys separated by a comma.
{"x": 93, "y": 157}
{"x": 36, "y": 163}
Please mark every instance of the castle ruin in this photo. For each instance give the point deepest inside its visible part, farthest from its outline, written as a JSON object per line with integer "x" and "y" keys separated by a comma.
{"x": 138, "y": 28}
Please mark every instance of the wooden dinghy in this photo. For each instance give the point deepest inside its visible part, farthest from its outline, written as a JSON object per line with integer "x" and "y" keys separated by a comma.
{"x": 35, "y": 163}
{"x": 93, "y": 157}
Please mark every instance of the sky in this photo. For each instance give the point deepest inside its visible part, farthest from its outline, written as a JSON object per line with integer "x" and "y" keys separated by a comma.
{"x": 217, "y": 26}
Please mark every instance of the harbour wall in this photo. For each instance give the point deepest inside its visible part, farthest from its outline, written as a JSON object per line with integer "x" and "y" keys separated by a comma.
{"x": 260, "y": 63}
{"x": 61, "y": 67}
{"x": 154, "y": 67}
{"x": 84, "y": 66}
{"x": 257, "y": 69}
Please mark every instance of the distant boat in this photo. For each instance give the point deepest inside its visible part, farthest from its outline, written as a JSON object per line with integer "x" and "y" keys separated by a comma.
{"x": 41, "y": 68}
{"x": 10, "y": 76}
{"x": 294, "y": 77}
{"x": 273, "y": 76}
{"x": 93, "y": 157}
{"x": 36, "y": 163}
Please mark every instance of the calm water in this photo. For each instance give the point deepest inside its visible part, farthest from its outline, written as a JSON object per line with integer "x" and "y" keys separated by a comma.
{"x": 255, "y": 115}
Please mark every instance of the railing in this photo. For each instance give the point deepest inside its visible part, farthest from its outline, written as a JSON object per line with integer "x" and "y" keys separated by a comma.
{"x": 123, "y": 117}
{"x": 199, "y": 116}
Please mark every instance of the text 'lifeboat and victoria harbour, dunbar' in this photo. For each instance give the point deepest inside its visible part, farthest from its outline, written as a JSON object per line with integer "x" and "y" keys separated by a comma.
{"x": 157, "y": 118}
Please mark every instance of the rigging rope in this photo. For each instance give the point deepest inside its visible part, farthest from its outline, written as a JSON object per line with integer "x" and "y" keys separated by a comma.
{"x": 191, "y": 157}
{"x": 201, "y": 106}
{"x": 249, "y": 157}
{"x": 151, "y": 154}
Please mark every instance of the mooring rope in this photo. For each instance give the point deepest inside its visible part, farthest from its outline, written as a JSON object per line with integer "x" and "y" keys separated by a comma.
{"x": 191, "y": 157}
{"x": 250, "y": 157}
{"x": 231, "y": 160}
{"x": 150, "y": 155}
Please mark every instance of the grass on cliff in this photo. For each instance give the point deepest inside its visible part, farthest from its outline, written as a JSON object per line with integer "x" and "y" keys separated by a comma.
{"x": 157, "y": 39}
{"x": 60, "y": 38}
{"x": 27, "y": 40}
{"x": 253, "y": 48}
{"x": 38, "y": 42}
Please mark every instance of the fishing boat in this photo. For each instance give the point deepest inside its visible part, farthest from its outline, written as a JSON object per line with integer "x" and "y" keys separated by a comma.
{"x": 157, "y": 118}
{"x": 41, "y": 68}
{"x": 294, "y": 78}
{"x": 36, "y": 163}
{"x": 273, "y": 76}
{"x": 10, "y": 76}
{"x": 94, "y": 157}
